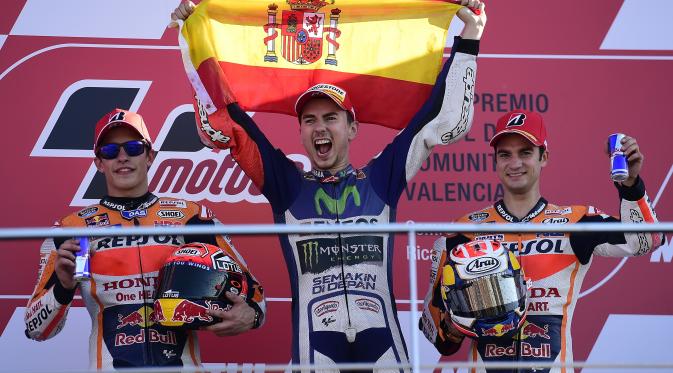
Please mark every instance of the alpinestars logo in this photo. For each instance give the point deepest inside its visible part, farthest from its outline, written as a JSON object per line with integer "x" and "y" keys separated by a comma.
{"x": 183, "y": 168}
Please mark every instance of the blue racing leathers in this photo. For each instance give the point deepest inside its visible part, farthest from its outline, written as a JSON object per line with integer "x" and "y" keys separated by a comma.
{"x": 343, "y": 306}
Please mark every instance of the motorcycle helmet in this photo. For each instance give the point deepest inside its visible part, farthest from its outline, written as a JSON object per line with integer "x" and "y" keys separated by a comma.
{"x": 484, "y": 289}
{"x": 194, "y": 279}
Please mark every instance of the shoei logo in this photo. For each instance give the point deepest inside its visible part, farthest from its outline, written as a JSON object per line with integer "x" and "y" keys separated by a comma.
{"x": 188, "y": 252}
{"x": 482, "y": 265}
{"x": 170, "y": 214}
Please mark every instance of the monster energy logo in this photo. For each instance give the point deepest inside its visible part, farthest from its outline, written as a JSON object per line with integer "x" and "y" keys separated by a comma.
{"x": 320, "y": 254}
{"x": 334, "y": 206}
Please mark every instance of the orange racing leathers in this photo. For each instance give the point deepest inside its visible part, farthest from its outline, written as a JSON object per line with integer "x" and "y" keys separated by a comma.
{"x": 555, "y": 262}
{"x": 124, "y": 273}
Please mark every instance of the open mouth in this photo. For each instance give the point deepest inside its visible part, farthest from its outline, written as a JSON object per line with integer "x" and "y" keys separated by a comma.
{"x": 322, "y": 146}
{"x": 124, "y": 170}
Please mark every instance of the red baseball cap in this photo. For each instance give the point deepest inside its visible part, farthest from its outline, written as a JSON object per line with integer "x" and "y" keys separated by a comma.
{"x": 117, "y": 118}
{"x": 336, "y": 94}
{"x": 522, "y": 122}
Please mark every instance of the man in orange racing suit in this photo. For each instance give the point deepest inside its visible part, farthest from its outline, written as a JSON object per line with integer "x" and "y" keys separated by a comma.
{"x": 124, "y": 270}
{"x": 555, "y": 262}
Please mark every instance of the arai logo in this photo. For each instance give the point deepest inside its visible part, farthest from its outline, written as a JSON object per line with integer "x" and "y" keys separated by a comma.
{"x": 482, "y": 265}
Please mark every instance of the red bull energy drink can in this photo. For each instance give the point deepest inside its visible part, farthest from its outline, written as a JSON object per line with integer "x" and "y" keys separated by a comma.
{"x": 82, "y": 261}
{"x": 619, "y": 167}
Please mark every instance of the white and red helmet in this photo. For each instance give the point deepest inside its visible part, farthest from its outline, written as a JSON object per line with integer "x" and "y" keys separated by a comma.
{"x": 484, "y": 289}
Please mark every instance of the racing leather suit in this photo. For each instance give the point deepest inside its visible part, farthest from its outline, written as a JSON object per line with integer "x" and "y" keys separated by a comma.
{"x": 555, "y": 262}
{"x": 120, "y": 294}
{"x": 343, "y": 307}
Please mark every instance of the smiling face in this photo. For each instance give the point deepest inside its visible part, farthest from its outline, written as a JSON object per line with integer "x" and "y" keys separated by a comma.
{"x": 125, "y": 176}
{"x": 518, "y": 164}
{"x": 326, "y": 134}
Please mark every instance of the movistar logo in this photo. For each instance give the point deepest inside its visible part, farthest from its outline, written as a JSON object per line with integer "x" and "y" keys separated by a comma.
{"x": 335, "y": 207}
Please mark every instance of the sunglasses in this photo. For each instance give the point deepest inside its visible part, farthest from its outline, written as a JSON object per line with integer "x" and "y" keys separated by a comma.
{"x": 133, "y": 148}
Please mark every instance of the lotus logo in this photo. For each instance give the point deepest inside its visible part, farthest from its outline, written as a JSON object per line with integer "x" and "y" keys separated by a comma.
{"x": 482, "y": 265}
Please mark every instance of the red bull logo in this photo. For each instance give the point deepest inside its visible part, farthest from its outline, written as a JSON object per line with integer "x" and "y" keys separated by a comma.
{"x": 525, "y": 349}
{"x": 137, "y": 318}
{"x": 123, "y": 339}
{"x": 533, "y": 330}
{"x": 158, "y": 315}
{"x": 188, "y": 311}
{"x": 497, "y": 330}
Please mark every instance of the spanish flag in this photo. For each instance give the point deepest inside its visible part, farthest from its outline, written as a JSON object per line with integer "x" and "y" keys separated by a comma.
{"x": 263, "y": 54}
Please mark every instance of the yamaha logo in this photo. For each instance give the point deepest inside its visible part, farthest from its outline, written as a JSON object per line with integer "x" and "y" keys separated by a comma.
{"x": 482, "y": 265}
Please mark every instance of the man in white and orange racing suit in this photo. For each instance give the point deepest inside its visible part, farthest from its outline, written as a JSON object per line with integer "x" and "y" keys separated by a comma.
{"x": 124, "y": 270}
{"x": 343, "y": 306}
{"x": 555, "y": 262}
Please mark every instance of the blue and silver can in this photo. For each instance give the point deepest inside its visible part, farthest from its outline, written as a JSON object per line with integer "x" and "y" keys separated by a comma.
{"x": 82, "y": 261}
{"x": 619, "y": 167}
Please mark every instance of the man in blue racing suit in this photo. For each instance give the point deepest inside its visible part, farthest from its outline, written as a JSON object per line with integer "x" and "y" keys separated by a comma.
{"x": 343, "y": 306}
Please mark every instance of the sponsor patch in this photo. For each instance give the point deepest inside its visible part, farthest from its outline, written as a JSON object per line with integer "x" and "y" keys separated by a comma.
{"x": 85, "y": 213}
{"x": 179, "y": 203}
{"x": 225, "y": 262}
{"x": 478, "y": 216}
{"x": 490, "y": 237}
{"x": 188, "y": 251}
{"x": 326, "y": 307}
{"x": 482, "y": 265}
{"x": 563, "y": 211}
{"x": 131, "y": 214}
{"x": 166, "y": 223}
{"x": 170, "y": 214}
{"x": 555, "y": 221}
{"x": 98, "y": 220}
{"x": 367, "y": 305}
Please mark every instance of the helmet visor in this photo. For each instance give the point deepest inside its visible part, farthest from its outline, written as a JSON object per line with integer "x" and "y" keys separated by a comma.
{"x": 190, "y": 280}
{"x": 488, "y": 296}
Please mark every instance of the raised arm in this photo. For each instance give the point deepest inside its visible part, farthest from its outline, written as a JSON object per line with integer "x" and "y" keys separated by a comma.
{"x": 635, "y": 207}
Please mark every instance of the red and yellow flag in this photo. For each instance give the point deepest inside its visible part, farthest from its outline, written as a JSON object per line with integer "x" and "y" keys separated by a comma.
{"x": 262, "y": 54}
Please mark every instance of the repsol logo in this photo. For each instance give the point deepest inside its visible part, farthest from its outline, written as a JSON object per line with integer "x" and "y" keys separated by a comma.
{"x": 544, "y": 246}
{"x": 39, "y": 318}
{"x": 482, "y": 265}
{"x": 112, "y": 242}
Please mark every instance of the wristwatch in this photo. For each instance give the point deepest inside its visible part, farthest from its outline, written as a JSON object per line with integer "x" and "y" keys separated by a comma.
{"x": 258, "y": 319}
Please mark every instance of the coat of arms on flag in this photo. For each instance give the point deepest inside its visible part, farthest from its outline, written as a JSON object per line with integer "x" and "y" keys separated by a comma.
{"x": 302, "y": 29}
